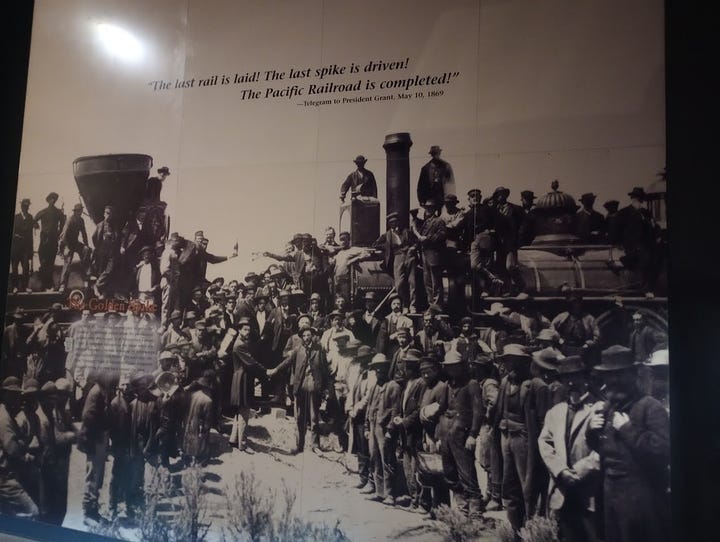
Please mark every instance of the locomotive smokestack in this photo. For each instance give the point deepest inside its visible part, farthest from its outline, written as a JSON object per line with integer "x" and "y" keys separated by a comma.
{"x": 397, "y": 151}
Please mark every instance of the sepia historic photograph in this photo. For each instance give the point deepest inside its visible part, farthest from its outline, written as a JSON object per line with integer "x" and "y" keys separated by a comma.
{"x": 341, "y": 271}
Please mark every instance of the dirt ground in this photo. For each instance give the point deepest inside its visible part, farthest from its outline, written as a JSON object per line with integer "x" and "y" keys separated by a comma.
{"x": 323, "y": 485}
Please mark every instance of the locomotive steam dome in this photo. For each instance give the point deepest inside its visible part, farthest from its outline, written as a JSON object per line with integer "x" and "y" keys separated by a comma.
{"x": 555, "y": 217}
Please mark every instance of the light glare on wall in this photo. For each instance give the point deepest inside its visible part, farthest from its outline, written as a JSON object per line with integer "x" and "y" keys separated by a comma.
{"x": 120, "y": 43}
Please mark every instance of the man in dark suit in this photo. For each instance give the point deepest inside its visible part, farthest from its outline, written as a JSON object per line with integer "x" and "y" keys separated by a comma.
{"x": 589, "y": 224}
{"x": 508, "y": 221}
{"x": 636, "y": 232}
{"x": 50, "y": 220}
{"x": 69, "y": 244}
{"x": 643, "y": 339}
{"x": 360, "y": 182}
{"x": 311, "y": 380}
{"x": 106, "y": 241}
{"x": 21, "y": 253}
{"x": 368, "y": 325}
{"x": 632, "y": 435}
{"x": 399, "y": 259}
{"x": 153, "y": 186}
{"x": 436, "y": 178}
{"x": 431, "y": 235}
{"x": 408, "y": 423}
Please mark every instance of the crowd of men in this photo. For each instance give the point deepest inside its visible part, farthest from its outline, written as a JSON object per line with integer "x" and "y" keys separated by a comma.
{"x": 534, "y": 413}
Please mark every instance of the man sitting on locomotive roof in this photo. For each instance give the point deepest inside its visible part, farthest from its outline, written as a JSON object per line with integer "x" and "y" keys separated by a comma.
{"x": 153, "y": 185}
{"x": 577, "y": 328}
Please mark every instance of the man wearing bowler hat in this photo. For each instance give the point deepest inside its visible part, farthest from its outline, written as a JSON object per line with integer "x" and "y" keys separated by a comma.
{"x": 589, "y": 224}
{"x": 632, "y": 435}
{"x": 436, "y": 178}
{"x": 360, "y": 182}
{"x": 573, "y": 466}
{"x": 457, "y": 431}
{"x": 399, "y": 258}
{"x": 50, "y": 220}
{"x": 153, "y": 186}
{"x": 431, "y": 235}
{"x": 69, "y": 244}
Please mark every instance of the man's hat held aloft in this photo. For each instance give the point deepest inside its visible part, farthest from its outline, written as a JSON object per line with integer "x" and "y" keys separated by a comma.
{"x": 52, "y": 196}
{"x": 659, "y": 358}
{"x": 547, "y": 358}
{"x": 164, "y": 170}
{"x": 434, "y": 149}
{"x": 588, "y": 198}
{"x": 360, "y": 159}
{"x": 528, "y": 194}
{"x": 571, "y": 365}
{"x": 638, "y": 193}
{"x": 616, "y": 358}
{"x": 497, "y": 308}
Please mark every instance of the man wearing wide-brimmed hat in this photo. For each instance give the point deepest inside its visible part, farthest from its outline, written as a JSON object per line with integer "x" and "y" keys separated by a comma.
{"x": 458, "y": 428}
{"x": 383, "y": 398}
{"x": 15, "y": 456}
{"x": 360, "y": 183}
{"x": 589, "y": 224}
{"x": 511, "y": 421}
{"x": 198, "y": 420}
{"x": 436, "y": 178}
{"x": 50, "y": 220}
{"x": 655, "y": 376}
{"x": 632, "y": 436}
{"x": 356, "y": 407}
{"x": 573, "y": 466}
{"x": 576, "y": 327}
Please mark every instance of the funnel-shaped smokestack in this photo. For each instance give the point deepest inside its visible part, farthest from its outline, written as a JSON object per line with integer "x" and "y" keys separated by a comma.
{"x": 112, "y": 179}
{"x": 397, "y": 151}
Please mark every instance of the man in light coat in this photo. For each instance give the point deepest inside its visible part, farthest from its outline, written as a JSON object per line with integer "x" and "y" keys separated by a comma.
{"x": 574, "y": 467}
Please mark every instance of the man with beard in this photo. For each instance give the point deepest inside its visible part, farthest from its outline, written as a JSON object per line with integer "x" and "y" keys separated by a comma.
{"x": 368, "y": 324}
{"x": 407, "y": 422}
{"x": 311, "y": 381}
{"x": 15, "y": 455}
{"x": 245, "y": 369}
{"x": 21, "y": 254}
{"x": 383, "y": 404}
{"x": 511, "y": 421}
{"x": 436, "y": 178}
{"x": 404, "y": 345}
{"x": 631, "y": 434}
{"x": 50, "y": 220}
{"x": 458, "y": 429}
{"x": 574, "y": 468}
{"x": 428, "y": 339}
{"x": 387, "y": 335}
